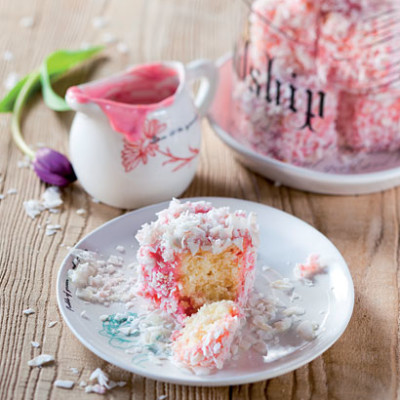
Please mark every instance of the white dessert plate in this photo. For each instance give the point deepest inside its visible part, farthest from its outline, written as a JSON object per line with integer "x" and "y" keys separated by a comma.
{"x": 368, "y": 173}
{"x": 285, "y": 241}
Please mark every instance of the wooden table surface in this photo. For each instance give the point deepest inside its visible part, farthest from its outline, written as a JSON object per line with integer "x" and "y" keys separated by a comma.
{"x": 363, "y": 364}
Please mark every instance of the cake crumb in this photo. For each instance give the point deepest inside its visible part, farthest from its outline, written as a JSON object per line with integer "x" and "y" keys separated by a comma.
{"x": 40, "y": 360}
{"x": 120, "y": 249}
{"x": 64, "y": 384}
{"x": 307, "y": 330}
{"x": 282, "y": 284}
{"x": 310, "y": 268}
{"x": 29, "y": 311}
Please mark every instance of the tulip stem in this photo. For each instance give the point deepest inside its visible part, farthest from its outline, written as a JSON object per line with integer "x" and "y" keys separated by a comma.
{"x": 20, "y": 101}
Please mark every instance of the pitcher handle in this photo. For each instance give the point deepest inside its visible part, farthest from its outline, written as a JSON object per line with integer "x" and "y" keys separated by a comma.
{"x": 207, "y": 72}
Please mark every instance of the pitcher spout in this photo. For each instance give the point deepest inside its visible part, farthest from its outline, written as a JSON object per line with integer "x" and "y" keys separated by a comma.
{"x": 79, "y": 102}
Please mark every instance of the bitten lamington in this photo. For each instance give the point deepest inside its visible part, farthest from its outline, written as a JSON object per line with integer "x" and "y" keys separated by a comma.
{"x": 196, "y": 254}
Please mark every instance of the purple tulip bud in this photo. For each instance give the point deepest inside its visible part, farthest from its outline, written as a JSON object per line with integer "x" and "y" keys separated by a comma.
{"x": 53, "y": 167}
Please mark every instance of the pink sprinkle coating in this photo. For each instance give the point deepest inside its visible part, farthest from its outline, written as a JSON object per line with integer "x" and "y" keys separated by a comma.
{"x": 310, "y": 268}
{"x": 347, "y": 50}
{"x": 212, "y": 348}
{"x": 369, "y": 123}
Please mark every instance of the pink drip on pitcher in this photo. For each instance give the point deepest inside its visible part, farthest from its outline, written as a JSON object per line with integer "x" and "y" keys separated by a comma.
{"x": 126, "y": 99}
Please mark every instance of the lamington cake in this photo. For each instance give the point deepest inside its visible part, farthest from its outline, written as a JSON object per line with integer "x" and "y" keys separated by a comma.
{"x": 206, "y": 339}
{"x": 315, "y": 80}
{"x": 196, "y": 254}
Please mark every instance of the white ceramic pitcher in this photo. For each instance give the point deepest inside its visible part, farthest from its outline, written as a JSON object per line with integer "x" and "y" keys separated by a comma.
{"x": 135, "y": 139}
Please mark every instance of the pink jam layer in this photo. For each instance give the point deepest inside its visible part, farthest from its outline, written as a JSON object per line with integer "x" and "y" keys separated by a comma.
{"x": 127, "y": 99}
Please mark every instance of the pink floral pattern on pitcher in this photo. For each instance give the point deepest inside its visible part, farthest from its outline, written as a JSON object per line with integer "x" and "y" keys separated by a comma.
{"x": 138, "y": 152}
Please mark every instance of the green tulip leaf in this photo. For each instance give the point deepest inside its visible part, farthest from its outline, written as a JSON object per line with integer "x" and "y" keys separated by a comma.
{"x": 7, "y": 104}
{"x": 59, "y": 63}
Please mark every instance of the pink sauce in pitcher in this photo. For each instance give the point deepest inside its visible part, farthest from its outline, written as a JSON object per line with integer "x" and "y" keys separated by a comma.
{"x": 126, "y": 99}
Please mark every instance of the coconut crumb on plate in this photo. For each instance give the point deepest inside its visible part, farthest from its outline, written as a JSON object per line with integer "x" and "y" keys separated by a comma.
{"x": 310, "y": 268}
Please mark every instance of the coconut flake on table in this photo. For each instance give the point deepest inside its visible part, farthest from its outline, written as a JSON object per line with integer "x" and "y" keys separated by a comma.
{"x": 52, "y": 229}
{"x": 27, "y": 22}
{"x": 40, "y": 360}
{"x": 35, "y": 344}
{"x": 108, "y": 38}
{"x": 51, "y": 199}
{"x": 122, "y": 47}
{"x": 81, "y": 211}
{"x": 29, "y": 311}
{"x": 99, "y": 22}
{"x": 101, "y": 377}
{"x": 25, "y": 163}
{"x": 74, "y": 370}
{"x": 8, "y": 55}
{"x": 103, "y": 382}
{"x": 51, "y": 324}
{"x": 64, "y": 384}
{"x": 11, "y": 80}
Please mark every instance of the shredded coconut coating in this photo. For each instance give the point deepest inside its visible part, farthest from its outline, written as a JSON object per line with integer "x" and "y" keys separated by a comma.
{"x": 202, "y": 346}
{"x": 287, "y": 31}
{"x": 274, "y": 130}
{"x": 334, "y": 47}
{"x": 192, "y": 228}
{"x": 369, "y": 123}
